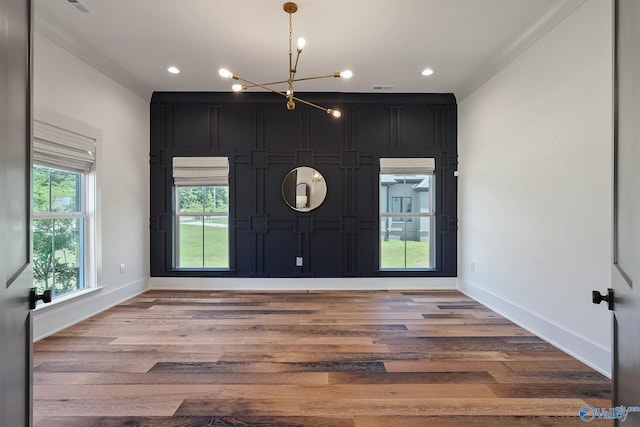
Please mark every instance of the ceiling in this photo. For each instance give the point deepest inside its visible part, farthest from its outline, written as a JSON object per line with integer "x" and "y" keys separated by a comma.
{"x": 385, "y": 43}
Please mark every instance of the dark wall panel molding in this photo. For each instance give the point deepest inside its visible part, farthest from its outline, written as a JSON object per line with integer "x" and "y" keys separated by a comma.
{"x": 259, "y": 158}
{"x": 304, "y": 157}
{"x": 264, "y": 141}
{"x": 349, "y": 159}
{"x": 214, "y": 137}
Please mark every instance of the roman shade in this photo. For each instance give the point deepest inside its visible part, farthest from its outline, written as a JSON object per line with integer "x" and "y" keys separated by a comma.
{"x": 62, "y": 149}
{"x": 200, "y": 171}
{"x": 408, "y": 166}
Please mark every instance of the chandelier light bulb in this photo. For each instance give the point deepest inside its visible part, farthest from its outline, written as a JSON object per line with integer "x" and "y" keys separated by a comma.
{"x": 346, "y": 74}
{"x": 237, "y": 87}
{"x": 335, "y": 113}
{"x": 427, "y": 72}
{"x": 224, "y": 73}
{"x": 301, "y": 43}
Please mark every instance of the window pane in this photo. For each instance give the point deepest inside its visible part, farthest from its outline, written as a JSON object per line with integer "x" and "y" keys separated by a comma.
{"x": 191, "y": 199}
{"x": 68, "y": 261}
{"x": 191, "y": 250}
{"x": 216, "y": 199}
{"x": 216, "y": 242}
{"x": 405, "y": 244}
{"x": 42, "y": 254}
{"x": 41, "y": 194}
{"x": 204, "y": 242}
{"x": 65, "y": 190}
{"x": 58, "y": 254}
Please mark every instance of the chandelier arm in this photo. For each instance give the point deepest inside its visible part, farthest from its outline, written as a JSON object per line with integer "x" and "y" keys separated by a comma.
{"x": 294, "y": 80}
{"x": 314, "y": 77}
{"x": 268, "y": 84}
{"x": 311, "y": 104}
{"x": 295, "y": 66}
{"x": 292, "y": 71}
{"x": 253, "y": 84}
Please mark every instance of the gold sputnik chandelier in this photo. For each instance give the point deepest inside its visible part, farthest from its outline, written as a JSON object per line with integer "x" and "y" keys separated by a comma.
{"x": 289, "y": 8}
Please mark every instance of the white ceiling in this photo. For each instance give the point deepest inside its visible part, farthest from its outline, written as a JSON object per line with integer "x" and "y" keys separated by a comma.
{"x": 384, "y": 42}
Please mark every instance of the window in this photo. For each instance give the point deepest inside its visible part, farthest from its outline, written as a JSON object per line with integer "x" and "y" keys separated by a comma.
{"x": 58, "y": 230}
{"x": 62, "y": 179}
{"x": 407, "y": 187}
{"x": 201, "y": 212}
{"x": 400, "y": 204}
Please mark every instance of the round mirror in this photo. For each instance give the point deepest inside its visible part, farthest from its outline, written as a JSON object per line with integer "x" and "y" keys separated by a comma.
{"x": 304, "y": 189}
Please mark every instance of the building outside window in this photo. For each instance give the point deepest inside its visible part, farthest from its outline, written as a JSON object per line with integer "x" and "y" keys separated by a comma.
{"x": 407, "y": 187}
{"x": 201, "y": 236}
{"x": 400, "y": 204}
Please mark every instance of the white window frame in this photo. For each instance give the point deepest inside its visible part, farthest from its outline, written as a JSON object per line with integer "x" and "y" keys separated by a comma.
{"x": 409, "y": 167}
{"x": 61, "y": 130}
{"x": 199, "y": 172}
{"x": 80, "y": 214}
{"x": 201, "y": 214}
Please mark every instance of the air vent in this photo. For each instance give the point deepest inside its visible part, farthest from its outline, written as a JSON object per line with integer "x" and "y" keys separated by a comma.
{"x": 80, "y": 7}
{"x": 383, "y": 87}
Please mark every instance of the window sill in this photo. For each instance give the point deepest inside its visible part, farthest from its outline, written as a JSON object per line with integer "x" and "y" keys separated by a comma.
{"x": 66, "y": 298}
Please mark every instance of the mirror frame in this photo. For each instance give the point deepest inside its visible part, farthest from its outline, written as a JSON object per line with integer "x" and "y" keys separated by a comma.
{"x": 306, "y": 194}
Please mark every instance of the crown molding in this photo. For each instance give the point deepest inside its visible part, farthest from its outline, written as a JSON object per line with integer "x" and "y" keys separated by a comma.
{"x": 93, "y": 57}
{"x": 551, "y": 17}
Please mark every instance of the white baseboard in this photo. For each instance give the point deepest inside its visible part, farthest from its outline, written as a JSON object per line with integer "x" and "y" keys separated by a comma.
{"x": 596, "y": 357}
{"x": 48, "y": 320}
{"x": 302, "y": 284}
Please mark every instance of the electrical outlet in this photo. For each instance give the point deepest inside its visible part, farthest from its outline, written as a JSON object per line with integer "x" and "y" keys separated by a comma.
{"x": 122, "y": 268}
{"x": 298, "y": 261}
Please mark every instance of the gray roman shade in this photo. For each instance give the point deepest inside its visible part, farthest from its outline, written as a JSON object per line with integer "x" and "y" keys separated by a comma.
{"x": 62, "y": 149}
{"x": 200, "y": 171}
{"x": 408, "y": 166}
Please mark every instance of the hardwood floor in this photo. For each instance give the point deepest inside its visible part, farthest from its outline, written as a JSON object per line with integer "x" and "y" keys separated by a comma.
{"x": 325, "y": 359}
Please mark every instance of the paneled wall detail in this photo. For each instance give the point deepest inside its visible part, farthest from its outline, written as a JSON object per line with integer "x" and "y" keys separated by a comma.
{"x": 214, "y": 125}
{"x": 264, "y": 141}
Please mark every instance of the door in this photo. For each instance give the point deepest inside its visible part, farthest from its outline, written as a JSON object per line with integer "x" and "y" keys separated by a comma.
{"x": 15, "y": 221}
{"x": 626, "y": 262}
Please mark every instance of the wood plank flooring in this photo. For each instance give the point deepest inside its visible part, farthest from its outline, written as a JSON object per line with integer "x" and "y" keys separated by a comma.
{"x": 325, "y": 359}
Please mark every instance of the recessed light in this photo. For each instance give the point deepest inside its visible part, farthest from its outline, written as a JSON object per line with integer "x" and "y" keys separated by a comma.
{"x": 173, "y": 70}
{"x": 427, "y": 72}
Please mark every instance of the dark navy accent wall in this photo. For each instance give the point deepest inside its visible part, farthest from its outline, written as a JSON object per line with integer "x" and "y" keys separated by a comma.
{"x": 264, "y": 141}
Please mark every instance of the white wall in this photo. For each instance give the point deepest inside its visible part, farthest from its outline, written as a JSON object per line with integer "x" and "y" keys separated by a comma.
{"x": 66, "y": 86}
{"x": 535, "y": 145}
